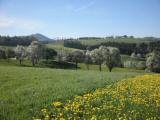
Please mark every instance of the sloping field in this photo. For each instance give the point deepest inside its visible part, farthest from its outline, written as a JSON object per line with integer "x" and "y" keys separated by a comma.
{"x": 24, "y": 91}
{"x": 134, "y": 98}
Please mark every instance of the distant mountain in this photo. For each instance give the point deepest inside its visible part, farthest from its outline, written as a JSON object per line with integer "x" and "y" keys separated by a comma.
{"x": 41, "y": 37}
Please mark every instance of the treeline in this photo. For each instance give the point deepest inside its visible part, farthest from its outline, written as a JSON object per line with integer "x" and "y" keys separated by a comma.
{"x": 109, "y": 56}
{"x": 87, "y": 38}
{"x": 16, "y": 40}
{"x": 125, "y": 48}
{"x": 35, "y": 51}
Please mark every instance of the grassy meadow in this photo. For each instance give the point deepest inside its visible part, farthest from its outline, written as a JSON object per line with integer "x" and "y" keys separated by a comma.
{"x": 120, "y": 40}
{"x": 79, "y": 60}
{"x": 24, "y": 91}
{"x": 135, "y": 98}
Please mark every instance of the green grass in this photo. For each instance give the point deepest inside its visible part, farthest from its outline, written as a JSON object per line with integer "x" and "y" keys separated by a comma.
{"x": 60, "y": 48}
{"x": 4, "y": 62}
{"x": 130, "y": 99}
{"x": 119, "y": 40}
{"x": 25, "y": 90}
{"x": 93, "y": 67}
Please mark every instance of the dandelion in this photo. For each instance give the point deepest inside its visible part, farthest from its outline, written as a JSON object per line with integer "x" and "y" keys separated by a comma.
{"x": 37, "y": 119}
{"x": 57, "y": 104}
{"x": 133, "y": 98}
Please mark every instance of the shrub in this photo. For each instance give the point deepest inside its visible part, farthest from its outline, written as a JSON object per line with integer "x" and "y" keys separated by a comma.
{"x": 153, "y": 62}
{"x": 57, "y": 64}
{"x": 135, "y": 64}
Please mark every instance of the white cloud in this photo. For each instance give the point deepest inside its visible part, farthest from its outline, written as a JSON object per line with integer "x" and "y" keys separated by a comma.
{"x": 20, "y": 23}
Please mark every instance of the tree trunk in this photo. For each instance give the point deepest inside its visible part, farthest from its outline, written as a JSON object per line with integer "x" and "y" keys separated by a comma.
{"x": 76, "y": 65}
{"x": 87, "y": 66}
{"x": 33, "y": 63}
{"x": 100, "y": 67}
{"x": 36, "y": 61}
{"x": 20, "y": 61}
{"x": 110, "y": 69}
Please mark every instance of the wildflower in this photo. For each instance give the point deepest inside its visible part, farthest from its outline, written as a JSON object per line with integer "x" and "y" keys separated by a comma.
{"x": 37, "y": 119}
{"x": 44, "y": 111}
{"x": 57, "y": 104}
{"x": 127, "y": 99}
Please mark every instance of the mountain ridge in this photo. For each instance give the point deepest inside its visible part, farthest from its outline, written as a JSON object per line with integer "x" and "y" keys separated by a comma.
{"x": 41, "y": 37}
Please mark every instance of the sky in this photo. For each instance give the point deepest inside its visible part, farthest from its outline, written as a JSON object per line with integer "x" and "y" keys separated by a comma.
{"x": 80, "y": 18}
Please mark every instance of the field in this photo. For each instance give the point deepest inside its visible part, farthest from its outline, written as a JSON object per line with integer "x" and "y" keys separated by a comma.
{"x": 91, "y": 41}
{"x": 120, "y": 40}
{"x": 134, "y": 98}
{"x": 79, "y": 60}
{"x": 24, "y": 91}
{"x": 59, "y": 47}
{"x": 28, "y": 92}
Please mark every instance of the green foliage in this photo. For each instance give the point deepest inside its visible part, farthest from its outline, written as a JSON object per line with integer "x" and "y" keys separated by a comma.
{"x": 107, "y": 55}
{"x": 2, "y": 53}
{"x": 74, "y": 44}
{"x": 35, "y": 52}
{"x": 141, "y": 48}
{"x": 57, "y": 64}
{"x": 76, "y": 57}
{"x": 153, "y": 62}
{"x": 125, "y": 44}
{"x": 20, "y": 52}
{"x": 9, "y": 53}
{"x": 97, "y": 57}
{"x": 16, "y": 40}
{"x": 116, "y": 39}
{"x": 154, "y": 46}
{"x": 49, "y": 53}
{"x": 111, "y": 57}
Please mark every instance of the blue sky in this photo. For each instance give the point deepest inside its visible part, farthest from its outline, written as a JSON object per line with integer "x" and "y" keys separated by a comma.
{"x": 76, "y": 18}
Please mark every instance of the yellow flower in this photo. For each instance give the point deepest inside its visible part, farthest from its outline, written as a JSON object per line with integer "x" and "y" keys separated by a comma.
{"x": 131, "y": 93}
{"x": 62, "y": 118}
{"x": 93, "y": 118}
{"x": 46, "y": 117}
{"x": 60, "y": 114}
{"x": 37, "y": 119}
{"x": 57, "y": 104}
{"x": 44, "y": 111}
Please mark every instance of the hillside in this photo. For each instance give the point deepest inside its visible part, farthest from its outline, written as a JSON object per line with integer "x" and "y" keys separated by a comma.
{"x": 41, "y": 37}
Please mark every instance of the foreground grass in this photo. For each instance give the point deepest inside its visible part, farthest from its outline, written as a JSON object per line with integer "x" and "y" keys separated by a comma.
{"x": 26, "y": 90}
{"x": 135, "y": 98}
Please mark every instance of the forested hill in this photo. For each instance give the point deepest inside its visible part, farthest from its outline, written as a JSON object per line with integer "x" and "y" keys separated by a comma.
{"x": 22, "y": 40}
{"x": 16, "y": 40}
{"x": 126, "y": 45}
{"x": 41, "y": 37}
{"x": 80, "y": 43}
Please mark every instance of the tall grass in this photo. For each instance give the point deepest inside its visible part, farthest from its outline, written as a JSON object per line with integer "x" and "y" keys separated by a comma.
{"x": 26, "y": 90}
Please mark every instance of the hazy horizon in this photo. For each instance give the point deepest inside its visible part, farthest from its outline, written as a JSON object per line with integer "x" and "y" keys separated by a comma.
{"x": 87, "y": 18}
